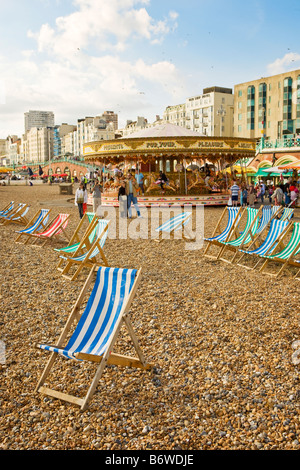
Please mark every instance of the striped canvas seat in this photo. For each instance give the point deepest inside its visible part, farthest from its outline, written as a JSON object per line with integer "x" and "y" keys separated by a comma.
{"x": 111, "y": 291}
{"x": 287, "y": 213}
{"x": 73, "y": 247}
{"x": 288, "y": 254}
{"x": 268, "y": 214}
{"x": 7, "y": 209}
{"x": 277, "y": 228}
{"x": 96, "y": 332}
{"x": 38, "y": 222}
{"x": 175, "y": 223}
{"x": 232, "y": 215}
{"x": 17, "y": 216}
{"x": 90, "y": 256}
{"x": 54, "y": 229}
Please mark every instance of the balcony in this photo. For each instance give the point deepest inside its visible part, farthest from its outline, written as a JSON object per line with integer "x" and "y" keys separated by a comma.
{"x": 292, "y": 142}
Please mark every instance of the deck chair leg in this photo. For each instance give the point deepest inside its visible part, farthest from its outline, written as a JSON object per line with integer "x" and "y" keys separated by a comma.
{"x": 264, "y": 266}
{"x": 94, "y": 384}
{"x": 46, "y": 370}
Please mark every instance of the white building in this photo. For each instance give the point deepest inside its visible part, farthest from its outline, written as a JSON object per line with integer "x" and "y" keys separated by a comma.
{"x": 209, "y": 114}
{"x": 37, "y": 145}
{"x": 38, "y": 119}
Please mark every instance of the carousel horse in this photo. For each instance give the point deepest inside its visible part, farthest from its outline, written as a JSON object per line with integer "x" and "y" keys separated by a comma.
{"x": 197, "y": 181}
{"x": 155, "y": 184}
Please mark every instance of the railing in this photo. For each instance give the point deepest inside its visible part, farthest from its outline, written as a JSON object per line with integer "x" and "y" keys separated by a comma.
{"x": 290, "y": 142}
{"x": 78, "y": 161}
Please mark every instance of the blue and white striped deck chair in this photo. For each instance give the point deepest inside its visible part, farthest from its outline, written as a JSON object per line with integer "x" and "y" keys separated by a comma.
{"x": 277, "y": 230}
{"x": 9, "y": 207}
{"x": 94, "y": 336}
{"x": 234, "y": 216}
{"x": 175, "y": 223}
{"x": 268, "y": 214}
{"x": 37, "y": 223}
{"x": 18, "y": 216}
{"x": 90, "y": 256}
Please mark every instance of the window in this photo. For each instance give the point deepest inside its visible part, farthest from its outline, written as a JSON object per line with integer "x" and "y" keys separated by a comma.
{"x": 240, "y": 93}
{"x": 239, "y": 128}
{"x": 239, "y": 117}
{"x": 240, "y": 105}
{"x": 250, "y": 107}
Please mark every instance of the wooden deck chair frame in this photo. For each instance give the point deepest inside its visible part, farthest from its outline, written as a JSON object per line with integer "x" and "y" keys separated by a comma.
{"x": 15, "y": 212}
{"x": 108, "y": 358}
{"x": 234, "y": 248}
{"x": 7, "y": 208}
{"x": 87, "y": 262}
{"x": 181, "y": 225}
{"x": 285, "y": 263}
{"x": 254, "y": 245}
{"x": 217, "y": 229}
{"x": 81, "y": 241}
{"x": 37, "y": 237}
{"x": 42, "y": 226}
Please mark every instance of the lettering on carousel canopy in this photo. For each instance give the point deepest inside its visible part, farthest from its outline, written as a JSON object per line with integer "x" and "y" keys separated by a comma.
{"x": 151, "y": 145}
{"x": 114, "y": 147}
{"x": 210, "y": 144}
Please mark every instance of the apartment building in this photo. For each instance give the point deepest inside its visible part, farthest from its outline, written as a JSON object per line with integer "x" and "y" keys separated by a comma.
{"x": 37, "y": 145}
{"x": 58, "y": 133}
{"x": 210, "y": 113}
{"x": 268, "y": 107}
{"x": 38, "y": 119}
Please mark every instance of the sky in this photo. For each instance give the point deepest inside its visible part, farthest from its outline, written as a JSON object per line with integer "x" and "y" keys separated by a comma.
{"x": 80, "y": 58}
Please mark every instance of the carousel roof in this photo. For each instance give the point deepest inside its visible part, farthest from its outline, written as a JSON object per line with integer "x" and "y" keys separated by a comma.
{"x": 162, "y": 130}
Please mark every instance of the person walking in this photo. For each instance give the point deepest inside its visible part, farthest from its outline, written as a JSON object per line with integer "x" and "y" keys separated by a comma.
{"x": 96, "y": 194}
{"x": 131, "y": 188}
{"x": 122, "y": 200}
{"x": 81, "y": 197}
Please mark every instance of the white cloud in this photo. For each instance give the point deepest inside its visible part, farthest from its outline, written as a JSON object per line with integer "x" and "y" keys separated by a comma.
{"x": 289, "y": 61}
{"x": 109, "y": 25}
{"x": 66, "y": 76}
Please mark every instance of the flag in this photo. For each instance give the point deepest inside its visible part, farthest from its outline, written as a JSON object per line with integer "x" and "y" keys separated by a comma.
{"x": 30, "y": 172}
{"x": 40, "y": 170}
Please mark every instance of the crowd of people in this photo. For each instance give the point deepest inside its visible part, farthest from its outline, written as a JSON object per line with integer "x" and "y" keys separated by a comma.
{"x": 128, "y": 186}
{"x": 283, "y": 193}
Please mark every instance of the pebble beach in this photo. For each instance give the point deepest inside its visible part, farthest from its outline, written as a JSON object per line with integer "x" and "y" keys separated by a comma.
{"x": 218, "y": 335}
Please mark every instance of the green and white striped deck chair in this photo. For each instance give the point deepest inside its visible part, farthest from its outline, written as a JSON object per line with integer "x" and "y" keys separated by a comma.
{"x": 268, "y": 214}
{"x": 287, "y": 213}
{"x": 287, "y": 255}
{"x": 93, "y": 255}
{"x": 91, "y": 335}
{"x": 245, "y": 237}
{"x": 79, "y": 241}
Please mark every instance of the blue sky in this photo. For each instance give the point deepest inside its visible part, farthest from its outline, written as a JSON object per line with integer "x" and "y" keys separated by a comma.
{"x": 135, "y": 57}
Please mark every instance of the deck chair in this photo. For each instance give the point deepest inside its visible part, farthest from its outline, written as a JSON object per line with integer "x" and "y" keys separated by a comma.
{"x": 77, "y": 237}
{"x": 93, "y": 255}
{"x": 218, "y": 236}
{"x": 287, "y": 254}
{"x": 245, "y": 237}
{"x": 174, "y": 224}
{"x": 17, "y": 216}
{"x": 268, "y": 214}
{"x": 287, "y": 213}
{"x": 97, "y": 330}
{"x": 37, "y": 223}
{"x": 277, "y": 230}
{"x": 54, "y": 229}
{"x": 6, "y": 209}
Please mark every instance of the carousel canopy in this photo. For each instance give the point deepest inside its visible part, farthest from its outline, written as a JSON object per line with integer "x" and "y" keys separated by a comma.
{"x": 162, "y": 130}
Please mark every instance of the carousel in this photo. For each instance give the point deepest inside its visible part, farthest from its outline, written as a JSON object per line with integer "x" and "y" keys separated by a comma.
{"x": 196, "y": 169}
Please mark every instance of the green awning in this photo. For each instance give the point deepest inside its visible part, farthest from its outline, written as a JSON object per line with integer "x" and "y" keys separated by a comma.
{"x": 260, "y": 172}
